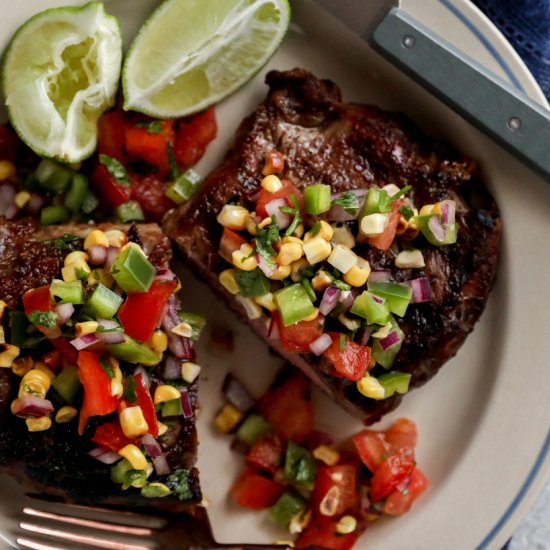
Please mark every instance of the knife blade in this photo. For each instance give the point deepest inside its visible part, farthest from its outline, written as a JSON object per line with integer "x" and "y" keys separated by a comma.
{"x": 501, "y": 111}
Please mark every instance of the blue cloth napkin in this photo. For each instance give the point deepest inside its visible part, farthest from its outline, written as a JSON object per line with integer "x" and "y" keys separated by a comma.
{"x": 526, "y": 25}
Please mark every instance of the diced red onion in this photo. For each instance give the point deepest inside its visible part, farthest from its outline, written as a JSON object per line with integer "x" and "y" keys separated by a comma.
{"x": 108, "y": 324}
{"x": 32, "y": 406}
{"x": 187, "y": 407}
{"x": 165, "y": 274}
{"x": 115, "y": 337}
{"x": 380, "y": 276}
{"x": 421, "y": 290}
{"x": 273, "y": 330}
{"x": 339, "y": 214}
{"x": 105, "y": 456}
{"x": 264, "y": 266}
{"x": 392, "y": 339}
{"x": 237, "y": 394}
{"x": 7, "y": 197}
{"x": 329, "y": 300}
{"x": 112, "y": 253}
{"x": 317, "y": 438}
{"x": 97, "y": 254}
{"x": 64, "y": 312}
{"x": 85, "y": 341}
{"x": 448, "y": 210}
{"x": 151, "y": 445}
{"x": 180, "y": 346}
{"x": 347, "y": 297}
{"x": 144, "y": 375}
{"x": 273, "y": 209}
{"x": 36, "y": 202}
{"x": 321, "y": 344}
{"x": 364, "y": 336}
{"x": 436, "y": 228}
{"x": 171, "y": 369}
{"x": 161, "y": 465}
{"x": 378, "y": 299}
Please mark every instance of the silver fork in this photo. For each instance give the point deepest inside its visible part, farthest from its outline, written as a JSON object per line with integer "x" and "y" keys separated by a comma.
{"x": 79, "y": 526}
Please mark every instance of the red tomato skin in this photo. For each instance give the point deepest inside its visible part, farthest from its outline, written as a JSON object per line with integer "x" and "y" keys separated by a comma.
{"x": 341, "y": 476}
{"x": 398, "y": 503}
{"x": 145, "y": 402}
{"x": 283, "y": 193}
{"x": 352, "y": 362}
{"x": 298, "y": 337}
{"x": 110, "y": 436}
{"x": 321, "y": 532}
{"x": 37, "y": 299}
{"x": 288, "y": 409}
{"x": 110, "y": 192}
{"x": 385, "y": 239}
{"x": 265, "y": 454}
{"x": 111, "y": 135}
{"x": 149, "y": 190}
{"x": 371, "y": 448}
{"x": 402, "y": 433}
{"x": 68, "y": 351}
{"x": 393, "y": 470}
{"x": 192, "y": 136}
{"x": 230, "y": 242}
{"x": 254, "y": 491}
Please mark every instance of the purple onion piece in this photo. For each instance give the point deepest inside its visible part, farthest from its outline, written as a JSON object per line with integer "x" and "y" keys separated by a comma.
{"x": 436, "y": 228}
{"x": 187, "y": 407}
{"x": 97, "y": 254}
{"x": 329, "y": 300}
{"x": 63, "y": 312}
{"x": 237, "y": 394}
{"x": 171, "y": 369}
{"x": 273, "y": 209}
{"x": 391, "y": 340}
{"x": 319, "y": 437}
{"x": 105, "y": 456}
{"x": 364, "y": 335}
{"x": 165, "y": 274}
{"x": 347, "y": 297}
{"x": 378, "y": 299}
{"x": 380, "y": 276}
{"x": 144, "y": 375}
{"x": 320, "y": 345}
{"x": 36, "y": 202}
{"x": 151, "y": 445}
{"x": 273, "y": 331}
{"x": 107, "y": 324}
{"x": 7, "y": 197}
{"x": 181, "y": 347}
{"x": 339, "y": 214}
{"x": 448, "y": 212}
{"x": 85, "y": 341}
{"x": 112, "y": 253}
{"x": 116, "y": 337}
{"x": 267, "y": 269}
{"x": 32, "y": 406}
{"x": 421, "y": 290}
{"x": 161, "y": 465}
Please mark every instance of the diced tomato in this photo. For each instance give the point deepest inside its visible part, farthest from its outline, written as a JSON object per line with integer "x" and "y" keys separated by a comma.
{"x": 385, "y": 239}
{"x": 253, "y": 490}
{"x": 351, "y": 362}
{"x": 394, "y": 470}
{"x": 149, "y": 190}
{"x": 68, "y": 351}
{"x": 111, "y": 135}
{"x": 145, "y": 402}
{"x": 112, "y": 192}
{"x": 230, "y": 242}
{"x": 288, "y": 409}
{"x": 321, "y": 532}
{"x": 111, "y": 436}
{"x": 144, "y": 142}
{"x": 265, "y": 454}
{"x": 402, "y": 433}
{"x": 297, "y": 337}
{"x": 371, "y": 447}
{"x": 37, "y": 299}
{"x": 283, "y": 193}
{"x": 193, "y": 134}
{"x": 399, "y": 502}
{"x": 98, "y": 400}
{"x": 141, "y": 312}
{"x": 340, "y": 483}
{"x": 52, "y": 359}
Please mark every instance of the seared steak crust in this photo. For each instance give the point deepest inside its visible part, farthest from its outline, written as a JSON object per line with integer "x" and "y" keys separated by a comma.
{"x": 55, "y": 461}
{"x": 352, "y": 146}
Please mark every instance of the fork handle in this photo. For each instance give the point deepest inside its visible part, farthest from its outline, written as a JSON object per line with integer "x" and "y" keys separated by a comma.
{"x": 494, "y": 106}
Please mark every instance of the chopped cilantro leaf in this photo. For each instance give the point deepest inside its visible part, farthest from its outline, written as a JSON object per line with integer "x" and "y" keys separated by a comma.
{"x": 129, "y": 392}
{"x": 266, "y": 237}
{"x": 175, "y": 171}
{"x": 309, "y": 289}
{"x": 152, "y": 126}
{"x": 46, "y": 319}
{"x": 400, "y": 193}
{"x": 315, "y": 228}
{"x": 67, "y": 242}
{"x": 348, "y": 201}
{"x": 342, "y": 342}
{"x": 340, "y": 285}
{"x": 406, "y": 212}
{"x": 178, "y": 482}
{"x": 115, "y": 169}
{"x": 106, "y": 367}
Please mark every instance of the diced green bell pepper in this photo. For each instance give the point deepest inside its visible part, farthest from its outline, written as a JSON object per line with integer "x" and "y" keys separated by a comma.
{"x": 134, "y": 352}
{"x": 394, "y": 381}
{"x": 397, "y": 296}
{"x": 371, "y": 203}
{"x": 253, "y": 428}
{"x": 67, "y": 292}
{"x": 366, "y": 306}
{"x": 195, "y": 321}
{"x": 184, "y": 187}
{"x": 122, "y": 472}
{"x": 132, "y": 271}
{"x": 317, "y": 199}
{"x": 103, "y": 303}
{"x": 300, "y": 469}
{"x": 90, "y": 202}
{"x": 252, "y": 283}
{"x": 52, "y": 176}
{"x": 74, "y": 197}
{"x": 67, "y": 384}
{"x": 155, "y": 490}
{"x": 385, "y": 358}
{"x": 451, "y": 231}
{"x": 294, "y": 304}
{"x": 53, "y": 214}
{"x": 289, "y": 505}
{"x": 18, "y": 328}
{"x": 129, "y": 211}
{"x": 172, "y": 408}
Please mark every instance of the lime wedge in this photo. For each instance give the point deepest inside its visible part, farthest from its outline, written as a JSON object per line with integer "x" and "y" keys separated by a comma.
{"x": 60, "y": 72}
{"x": 190, "y": 54}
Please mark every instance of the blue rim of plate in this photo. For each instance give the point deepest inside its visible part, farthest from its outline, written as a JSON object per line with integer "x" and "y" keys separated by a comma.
{"x": 543, "y": 453}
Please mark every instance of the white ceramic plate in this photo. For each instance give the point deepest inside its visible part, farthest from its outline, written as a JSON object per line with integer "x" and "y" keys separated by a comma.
{"x": 484, "y": 420}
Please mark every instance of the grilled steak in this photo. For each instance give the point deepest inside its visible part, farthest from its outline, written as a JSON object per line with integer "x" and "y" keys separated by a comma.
{"x": 351, "y": 146}
{"x": 55, "y": 461}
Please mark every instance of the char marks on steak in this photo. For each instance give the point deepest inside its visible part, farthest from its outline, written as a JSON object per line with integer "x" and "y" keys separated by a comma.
{"x": 352, "y": 146}
{"x": 55, "y": 461}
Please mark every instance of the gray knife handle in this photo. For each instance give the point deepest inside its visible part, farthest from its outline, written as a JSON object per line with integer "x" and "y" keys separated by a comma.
{"x": 494, "y": 106}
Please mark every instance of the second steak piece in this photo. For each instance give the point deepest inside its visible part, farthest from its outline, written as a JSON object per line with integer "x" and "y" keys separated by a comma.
{"x": 350, "y": 146}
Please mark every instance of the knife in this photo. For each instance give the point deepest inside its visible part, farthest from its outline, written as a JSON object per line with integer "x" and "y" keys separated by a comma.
{"x": 504, "y": 113}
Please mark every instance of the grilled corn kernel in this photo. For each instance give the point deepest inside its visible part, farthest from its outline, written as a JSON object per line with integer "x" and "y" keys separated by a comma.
{"x": 272, "y": 184}
{"x": 96, "y": 237}
{"x": 342, "y": 235}
{"x": 233, "y": 217}
{"x": 22, "y": 365}
{"x": 163, "y": 428}
{"x": 100, "y": 275}
{"x": 190, "y": 371}
{"x": 357, "y": 276}
{"x": 391, "y": 189}
{"x": 374, "y": 224}
{"x": 34, "y": 387}
{"x": 265, "y": 222}
{"x": 329, "y": 504}
{"x": 412, "y": 230}
{"x": 370, "y": 387}
{"x": 244, "y": 258}
{"x": 116, "y": 238}
{"x": 76, "y": 257}
{"x": 274, "y": 163}
{"x": 316, "y": 250}
{"x": 165, "y": 393}
{"x": 135, "y": 246}
{"x": 342, "y": 258}
{"x": 116, "y": 388}
{"x": 158, "y": 341}
{"x": 3, "y": 306}
{"x": 65, "y": 414}
{"x": 286, "y": 543}
{"x": 280, "y": 273}
{"x": 266, "y": 301}
{"x": 299, "y": 231}
{"x": 350, "y": 324}
{"x": 22, "y": 198}
{"x": 321, "y": 281}
{"x": 297, "y": 268}
{"x": 251, "y": 225}
{"x": 134, "y": 456}
{"x": 38, "y": 424}
{"x": 346, "y": 525}
{"x": 69, "y": 272}
{"x": 410, "y": 259}
{"x": 430, "y": 209}
{"x": 86, "y": 327}
{"x": 183, "y": 329}
{"x": 228, "y": 418}
{"x": 2, "y": 335}
{"x": 252, "y": 309}
{"x": 327, "y": 455}
{"x": 7, "y": 169}
{"x": 299, "y": 522}
{"x": 325, "y": 232}
{"x": 8, "y": 354}
{"x": 42, "y": 367}
{"x": 115, "y": 366}
{"x": 313, "y": 316}
{"x": 133, "y": 422}
{"x": 227, "y": 280}
{"x": 290, "y": 251}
